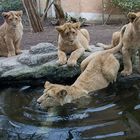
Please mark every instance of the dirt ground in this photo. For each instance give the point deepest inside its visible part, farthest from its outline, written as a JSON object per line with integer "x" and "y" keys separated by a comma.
{"x": 98, "y": 33}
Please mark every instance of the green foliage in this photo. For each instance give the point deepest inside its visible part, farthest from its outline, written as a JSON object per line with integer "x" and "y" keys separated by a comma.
{"x": 7, "y": 5}
{"x": 127, "y": 5}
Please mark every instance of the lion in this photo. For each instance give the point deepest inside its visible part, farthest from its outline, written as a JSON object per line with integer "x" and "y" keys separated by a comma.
{"x": 130, "y": 41}
{"x": 72, "y": 40}
{"x": 11, "y": 34}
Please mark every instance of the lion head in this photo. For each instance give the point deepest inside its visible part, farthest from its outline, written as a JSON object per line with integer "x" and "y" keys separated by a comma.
{"x": 54, "y": 95}
{"x": 12, "y": 18}
{"x": 135, "y": 20}
{"x": 68, "y": 32}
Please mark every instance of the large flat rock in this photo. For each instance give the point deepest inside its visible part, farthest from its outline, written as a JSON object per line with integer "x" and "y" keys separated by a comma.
{"x": 38, "y": 64}
{"x": 35, "y": 66}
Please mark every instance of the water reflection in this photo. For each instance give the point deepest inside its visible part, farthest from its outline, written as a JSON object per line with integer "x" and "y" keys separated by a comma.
{"x": 107, "y": 116}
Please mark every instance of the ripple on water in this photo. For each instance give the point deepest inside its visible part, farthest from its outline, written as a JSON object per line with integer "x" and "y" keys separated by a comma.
{"x": 102, "y": 118}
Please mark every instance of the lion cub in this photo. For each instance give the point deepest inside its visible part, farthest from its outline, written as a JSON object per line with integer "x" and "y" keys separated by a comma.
{"x": 11, "y": 34}
{"x": 72, "y": 40}
{"x": 130, "y": 40}
{"x": 99, "y": 69}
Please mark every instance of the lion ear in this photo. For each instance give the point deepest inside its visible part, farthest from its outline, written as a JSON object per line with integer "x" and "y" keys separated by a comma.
{"x": 5, "y": 14}
{"x": 62, "y": 93}
{"x": 77, "y": 25}
{"x": 47, "y": 84}
{"x": 19, "y": 13}
{"x": 59, "y": 28}
{"x": 131, "y": 16}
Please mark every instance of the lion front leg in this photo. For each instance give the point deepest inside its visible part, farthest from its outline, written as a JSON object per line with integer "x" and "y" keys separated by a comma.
{"x": 127, "y": 62}
{"x": 72, "y": 61}
{"x": 62, "y": 58}
{"x": 10, "y": 47}
{"x": 17, "y": 47}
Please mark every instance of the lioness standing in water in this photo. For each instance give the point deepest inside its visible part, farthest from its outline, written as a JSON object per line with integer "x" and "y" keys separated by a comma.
{"x": 72, "y": 40}
{"x": 11, "y": 34}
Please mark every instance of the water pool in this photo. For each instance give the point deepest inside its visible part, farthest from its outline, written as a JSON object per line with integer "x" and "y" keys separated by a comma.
{"x": 109, "y": 115}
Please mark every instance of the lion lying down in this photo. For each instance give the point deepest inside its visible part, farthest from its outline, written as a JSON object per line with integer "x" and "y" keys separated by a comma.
{"x": 72, "y": 40}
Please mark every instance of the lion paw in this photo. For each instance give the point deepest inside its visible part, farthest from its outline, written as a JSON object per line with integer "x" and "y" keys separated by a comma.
{"x": 71, "y": 63}
{"x": 11, "y": 54}
{"x": 126, "y": 73}
{"x": 61, "y": 62}
{"x": 18, "y": 52}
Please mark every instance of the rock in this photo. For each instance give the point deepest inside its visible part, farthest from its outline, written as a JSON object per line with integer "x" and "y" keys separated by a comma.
{"x": 38, "y": 65}
{"x": 35, "y": 66}
{"x": 37, "y": 59}
{"x": 42, "y": 48}
{"x": 39, "y": 54}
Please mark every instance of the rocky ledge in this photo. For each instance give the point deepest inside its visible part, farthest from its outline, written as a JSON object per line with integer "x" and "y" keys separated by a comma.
{"x": 35, "y": 66}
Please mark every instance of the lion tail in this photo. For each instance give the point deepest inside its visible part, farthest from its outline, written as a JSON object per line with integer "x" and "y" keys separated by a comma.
{"x": 104, "y": 46}
{"x": 119, "y": 46}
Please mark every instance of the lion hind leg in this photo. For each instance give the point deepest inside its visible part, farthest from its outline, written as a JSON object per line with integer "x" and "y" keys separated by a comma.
{"x": 110, "y": 68}
{"x": 127, "y": 62}
{"x": 3, "y": 52}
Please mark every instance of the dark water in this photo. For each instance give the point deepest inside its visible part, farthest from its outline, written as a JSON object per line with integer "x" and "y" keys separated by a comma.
{"x": 107, "y": 116}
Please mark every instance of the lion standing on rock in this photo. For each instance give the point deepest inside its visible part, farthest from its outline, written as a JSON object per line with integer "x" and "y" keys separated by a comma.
{"x": 72, "y": 40}
{"x": 11, "y": 34}
{"x": 130, "y": 41}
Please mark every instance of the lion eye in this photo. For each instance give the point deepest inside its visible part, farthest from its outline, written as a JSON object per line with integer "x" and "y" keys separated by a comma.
{"x": 67, "y": 33}
{"x": 73, "y": 32}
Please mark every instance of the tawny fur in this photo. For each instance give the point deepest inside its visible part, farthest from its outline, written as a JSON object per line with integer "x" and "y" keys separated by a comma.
{"x": 11, "y": 34}
{"x": 130, "y": 41}
{"x": 72, "y": 40}
{"x": 99, "y": 69}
